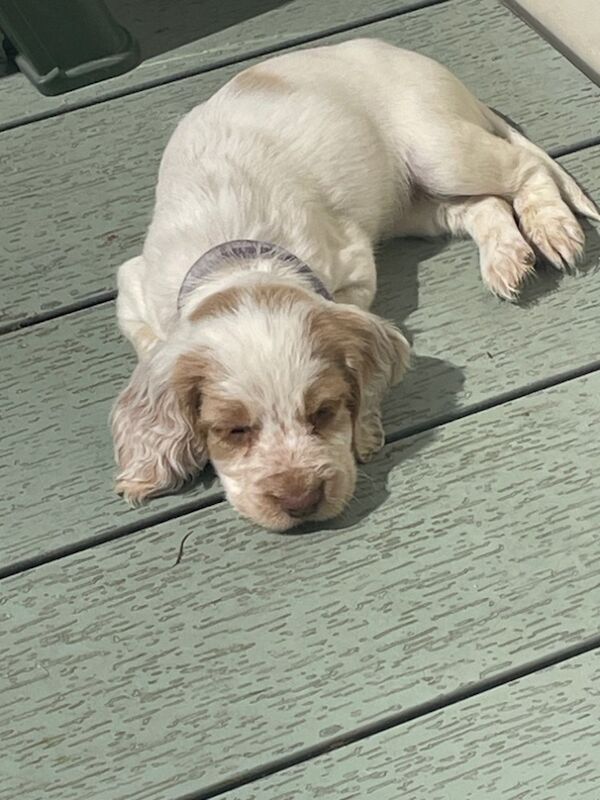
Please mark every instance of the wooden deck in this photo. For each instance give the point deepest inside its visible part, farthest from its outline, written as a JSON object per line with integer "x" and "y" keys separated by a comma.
{"x": 440, "y": 641}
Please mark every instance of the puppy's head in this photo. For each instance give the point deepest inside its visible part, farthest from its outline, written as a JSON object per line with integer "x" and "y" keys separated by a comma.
{"x": 279, "y": 388}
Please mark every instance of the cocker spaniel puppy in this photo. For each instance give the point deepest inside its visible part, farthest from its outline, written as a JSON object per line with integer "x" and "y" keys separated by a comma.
{"x": 248, "y": 307}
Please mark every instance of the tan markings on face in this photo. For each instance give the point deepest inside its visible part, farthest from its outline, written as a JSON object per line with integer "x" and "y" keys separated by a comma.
{"x": 229, "y": 426}
{"x": 272, "y": 296}
{"x": 261, "y": 79}
{"x": 225, "y": 302}
{"x": 319, "y": 461}
{"x": 325, "y": 402}
{"x": 269, "y": 296}
{"x": 190, "y": 374}
{"x": 338, "y": 340}
{"x": 344, "y": 336}
{"x": 225, "y": 423}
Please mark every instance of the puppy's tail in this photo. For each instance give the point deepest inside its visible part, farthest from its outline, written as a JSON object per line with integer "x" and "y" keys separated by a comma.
{"x": 569, "y": 188}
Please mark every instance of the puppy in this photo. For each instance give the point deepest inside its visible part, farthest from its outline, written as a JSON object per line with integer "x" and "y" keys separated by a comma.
{"x": 248, "y": 307}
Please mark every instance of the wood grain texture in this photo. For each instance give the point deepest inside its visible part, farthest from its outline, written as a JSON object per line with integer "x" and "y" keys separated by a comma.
{"x": 60, "y": 378}
{"x": 180, "y": 35}
{"x": 82, "y": 184}
{"x": 537, "y": 738}
{"x": 469, "y": 550}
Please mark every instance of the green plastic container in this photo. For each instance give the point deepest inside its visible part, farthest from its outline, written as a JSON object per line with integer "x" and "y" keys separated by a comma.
{"x": 61, "y": 45}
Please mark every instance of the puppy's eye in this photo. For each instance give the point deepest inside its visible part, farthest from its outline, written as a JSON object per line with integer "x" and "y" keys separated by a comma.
{"x": 323, "y": 416}
{"x": 239, "y": 433}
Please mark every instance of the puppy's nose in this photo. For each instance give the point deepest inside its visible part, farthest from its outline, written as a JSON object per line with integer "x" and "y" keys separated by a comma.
{"x": 302, "y": 504}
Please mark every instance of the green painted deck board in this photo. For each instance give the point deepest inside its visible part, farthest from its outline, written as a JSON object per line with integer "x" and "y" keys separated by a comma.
{"x": 193, "y": 36}
{"x": 536, "y": 738}
{"x": 59, "y": 381}
{"x": 469, "y": 551}
{"x": 60, "y": 378}
{"x": 82, "y": 184}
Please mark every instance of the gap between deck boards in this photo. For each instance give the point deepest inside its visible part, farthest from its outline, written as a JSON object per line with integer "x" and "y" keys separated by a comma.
{"x": 153, "y": 83}
{"x": 420, "y": 710}
{"x": 394, "y": 720}
{"x": 188, "y": 508}
{"x": 107, "y": 296}
{"x": 412, "y": 713}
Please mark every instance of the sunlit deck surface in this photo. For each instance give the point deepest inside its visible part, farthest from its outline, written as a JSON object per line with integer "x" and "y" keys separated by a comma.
{"x": 438, "y": 641}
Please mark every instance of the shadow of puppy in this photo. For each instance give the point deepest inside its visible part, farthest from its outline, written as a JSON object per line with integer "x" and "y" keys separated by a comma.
{"x": 439, "y": 383}
{"x": 413, "y": 409}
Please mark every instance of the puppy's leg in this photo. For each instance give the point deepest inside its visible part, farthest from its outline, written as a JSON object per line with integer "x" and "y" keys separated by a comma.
{"x": 505, "y": 257}
{"x": 356, "y": 263}
{"x": 355, "y": 294}
{"x": 463, "y": 159}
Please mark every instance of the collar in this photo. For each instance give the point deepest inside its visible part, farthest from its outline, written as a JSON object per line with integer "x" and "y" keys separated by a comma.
{"x": 228, "y": 253}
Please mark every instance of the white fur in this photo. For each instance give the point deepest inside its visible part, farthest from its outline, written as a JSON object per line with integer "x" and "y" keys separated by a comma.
{"x": 323, "y": 152}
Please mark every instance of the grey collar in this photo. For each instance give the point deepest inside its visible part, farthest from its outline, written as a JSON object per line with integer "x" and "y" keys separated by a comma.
{"x": 244, "y": 250}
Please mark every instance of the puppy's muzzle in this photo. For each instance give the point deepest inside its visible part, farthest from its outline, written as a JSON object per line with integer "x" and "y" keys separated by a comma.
{"x": 297, "y": 494}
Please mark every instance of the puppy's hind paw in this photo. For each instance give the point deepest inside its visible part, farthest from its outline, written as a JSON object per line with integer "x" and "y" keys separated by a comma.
{"x": 555, "y": 232}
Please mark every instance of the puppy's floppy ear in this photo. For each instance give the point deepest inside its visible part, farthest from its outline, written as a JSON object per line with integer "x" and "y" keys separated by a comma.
{"x": 375, "y": 356}
{"x": 158, "y": 443}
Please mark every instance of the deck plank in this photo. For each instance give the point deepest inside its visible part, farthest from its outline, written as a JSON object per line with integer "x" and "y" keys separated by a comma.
{"x": 537, "y": 738}
{"x": 82, "y": 184}
{"x": 60, "y": 378}
{"x": 194, "y": 36}
{"x": 469, "y": 551}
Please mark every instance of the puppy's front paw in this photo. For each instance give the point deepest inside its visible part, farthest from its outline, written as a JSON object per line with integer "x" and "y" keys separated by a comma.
{"x": 555, "y": 232}
{"x": 505, "y": 267}
{"x": 369, "y": 437}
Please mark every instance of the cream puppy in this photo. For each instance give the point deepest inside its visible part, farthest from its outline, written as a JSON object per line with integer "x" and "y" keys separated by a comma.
{"x": 248, "y": 307}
